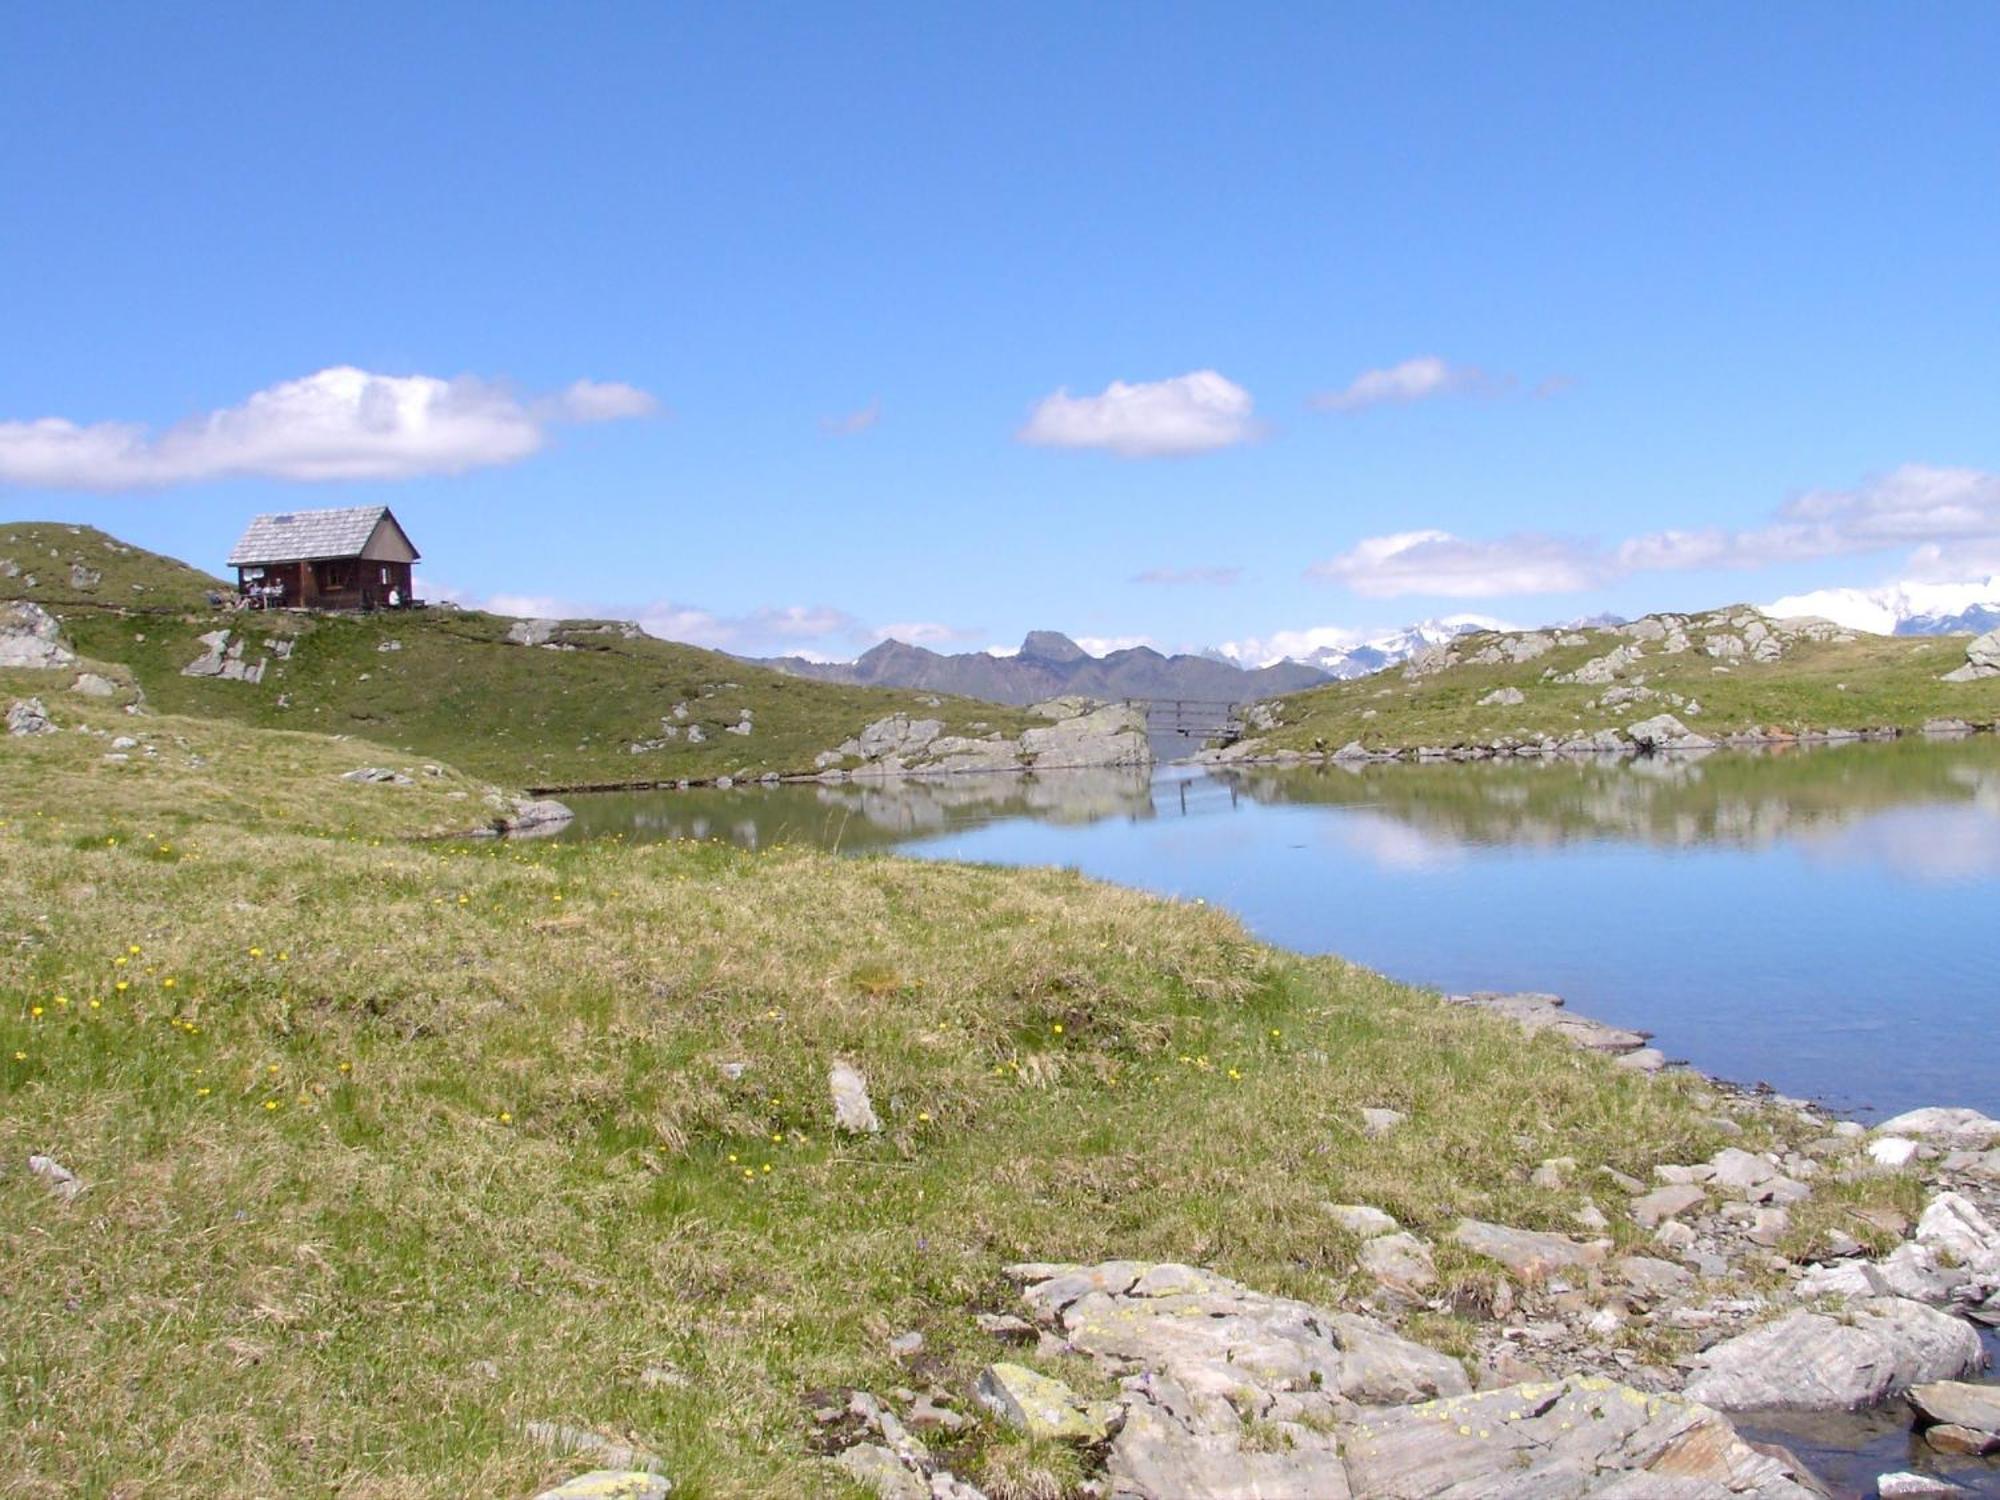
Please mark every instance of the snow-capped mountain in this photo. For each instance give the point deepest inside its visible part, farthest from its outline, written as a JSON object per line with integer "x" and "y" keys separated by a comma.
{"x": 1342, "y": 652}
{"x": 1902, "y": 608}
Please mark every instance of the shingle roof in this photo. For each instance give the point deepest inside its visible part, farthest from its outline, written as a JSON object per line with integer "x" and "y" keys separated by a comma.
{"x": 307, "y": 535}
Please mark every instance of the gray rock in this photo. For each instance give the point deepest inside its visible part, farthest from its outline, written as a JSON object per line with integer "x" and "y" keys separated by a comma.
{"x": 1975, "y": 1407}
{"x": 1005, "y": 1327}
{"x": 611, "y": 1484}
{"x": 1114, "y": 735}
{"x": 532, "y": 632}
{"x": 1221, "y": 1342}
{"x": 1961, "y": 1129}
{"x": 1360, "y": 1219}
{"x": 1376, "y": 1123}
{"x": 1651, "y": 1277}
{"x": 1041, "y": 1406}
{"x": 1165, "y": 1452}
{"x": 534, "y": 817}
{"x": 852, "y": 1110}
{"x": 30, "y": 638}
{"x": 1665, "y": 732}
{"x": 1982, "y": 659}
{"x": 91, "y": 685}
{"x": 376, "y": 776}
{"x": 1807, "y": 1361}
{"x": 59, "y": 1179}
{"x": 27, "y": 716}
{"x": 1503, "y": 697}
{"x": 1575, "y": 1437}
{"x": 1908, "y": 1486}
{"x": 1401, "y": 1263}
{"x": 1669, "y": 1202}
{"x": 1531, "y": 1255}
{"x": 1534, "y": 1012}
{"x": 877, "y": 1468}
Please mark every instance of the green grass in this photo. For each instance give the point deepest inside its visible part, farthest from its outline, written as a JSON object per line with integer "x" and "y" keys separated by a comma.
{"x": 455, "y": 689}
{"x": 1866, "y": 683}
{"x": 393, "y": 1146}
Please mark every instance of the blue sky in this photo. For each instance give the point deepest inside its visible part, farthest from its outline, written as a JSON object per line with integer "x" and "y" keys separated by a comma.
{"x": 753, "y": 321}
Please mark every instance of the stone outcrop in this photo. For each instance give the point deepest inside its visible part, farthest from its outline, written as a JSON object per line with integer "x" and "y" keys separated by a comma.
{"x": 1575, "y": 1437}
{"x": 1081, "y": 735}
{"x": 611, "y": 1484}
{"x": 30, "y": 638}
{"x": 224, "y": 659}
{"x": 28, "y": 716}
{"x": 1808, "y": 1361}
{"x": 1665, "y": 732}
{"x": 1982, "y": 659}
{"x": 852, "y": 1110}
{"x": 1535, "y": 1012}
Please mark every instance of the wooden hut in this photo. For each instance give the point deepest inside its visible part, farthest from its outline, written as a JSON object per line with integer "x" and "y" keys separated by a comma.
{"x": 356, "y": 558}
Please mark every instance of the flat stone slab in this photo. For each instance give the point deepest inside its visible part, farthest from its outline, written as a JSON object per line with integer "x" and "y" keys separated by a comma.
{"x": 611, "y": 1484}
{"x": 1575, "y": 1437}
{"x": 1530, "y": 1254}
{"x": 1041, "y": 1406}
{"x": 1960, "y": 1404}
{"x": 1535, "y": 1012}
{"x": 1807, "y": 1361}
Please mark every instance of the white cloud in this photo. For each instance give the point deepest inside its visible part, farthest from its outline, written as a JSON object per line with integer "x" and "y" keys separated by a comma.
{"x": 1454, "y": 567}
{"x": 1103, "y": 645}
{"x": 338, "y": 424}
{"x": 767, "y": 629}
{"x": 850, "y": 423}
{"x": 1416, "y": 379}
{"x": 1949, "y": 517}
{"x": 1191, "y": 413}
{"x": 924, "y": 633}
{"x": 1216, "y": 577}
{"x": 604, "y": 401}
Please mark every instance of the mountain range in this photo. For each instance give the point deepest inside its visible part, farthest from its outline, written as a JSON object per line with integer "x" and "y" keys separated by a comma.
{"x": 1049, "y": 665}
{"x": 1903, "y": 608}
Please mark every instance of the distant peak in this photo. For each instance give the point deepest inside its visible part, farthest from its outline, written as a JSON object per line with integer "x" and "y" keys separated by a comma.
{"x": 1052, "y": 645}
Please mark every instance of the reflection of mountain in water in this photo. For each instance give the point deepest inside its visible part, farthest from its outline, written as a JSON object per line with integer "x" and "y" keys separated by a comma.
{"x": 863, "y": 814}
{"x": 1739, "y": 799}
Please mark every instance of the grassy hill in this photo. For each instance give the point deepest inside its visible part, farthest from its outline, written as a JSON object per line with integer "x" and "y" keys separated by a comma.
{"x": 393, "y": 1148}
{"x": 449, "y": 684}
{"x": 1821, "y": 678}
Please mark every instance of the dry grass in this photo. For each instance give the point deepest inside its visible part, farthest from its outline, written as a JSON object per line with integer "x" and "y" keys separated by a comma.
{"x": 394, "y": 1147}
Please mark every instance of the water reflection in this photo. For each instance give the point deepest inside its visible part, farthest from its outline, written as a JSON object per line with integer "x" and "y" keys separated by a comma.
{"x": 1819, "y": 919}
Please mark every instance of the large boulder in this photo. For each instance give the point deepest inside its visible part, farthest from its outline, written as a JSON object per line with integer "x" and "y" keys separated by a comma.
{"x": 1966, "y": 1129}
{"x": 30, "y": 638}
{"x": 28, "y": 716}
{"x": 1982, "y": 659}
{"x": 1217, "y": 1339}
{"x": 1114, "y": 735}
{"x": 1536, "y": 1012}
{"x": 1575, "y": 1437}
{"x": 1808, "y": 1361}
{"x": 1665, "y": 732}
{"x": 899, "y": 735}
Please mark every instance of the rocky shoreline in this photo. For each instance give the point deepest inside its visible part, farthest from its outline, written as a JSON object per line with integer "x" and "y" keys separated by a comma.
{"x": 1224, "y": 1391}
{"x": 1613, "y": 1359}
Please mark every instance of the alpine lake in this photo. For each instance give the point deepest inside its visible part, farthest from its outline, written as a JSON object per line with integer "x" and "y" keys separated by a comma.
{"x": 1822, "y": 920}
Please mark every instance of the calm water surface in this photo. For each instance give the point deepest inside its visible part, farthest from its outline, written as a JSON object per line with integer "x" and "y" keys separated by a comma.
{"x": 1828, "y": 922}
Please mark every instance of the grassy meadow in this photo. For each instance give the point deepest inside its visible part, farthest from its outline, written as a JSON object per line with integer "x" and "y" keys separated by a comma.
{"x": 448, "y": 685}
{"x": 393, "y": 1146}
